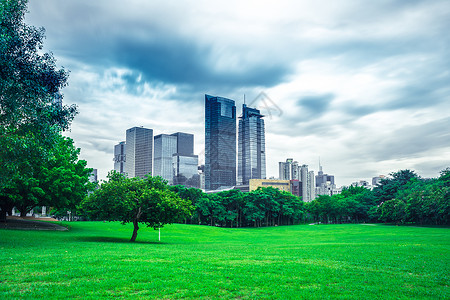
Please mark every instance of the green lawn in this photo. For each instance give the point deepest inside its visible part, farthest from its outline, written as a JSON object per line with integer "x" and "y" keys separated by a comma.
{"x": 95, "y": 260}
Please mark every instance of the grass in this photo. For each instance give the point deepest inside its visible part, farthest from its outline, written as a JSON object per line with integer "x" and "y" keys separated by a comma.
{"x": 95, "y": 260}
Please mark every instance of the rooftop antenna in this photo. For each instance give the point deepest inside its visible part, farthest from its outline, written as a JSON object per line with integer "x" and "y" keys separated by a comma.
{"x": 320, "y": 167}
{"x": 244, "y": 98}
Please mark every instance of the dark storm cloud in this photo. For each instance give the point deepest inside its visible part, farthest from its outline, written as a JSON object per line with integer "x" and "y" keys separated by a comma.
{"x": 316, "y": 105}
{"x": 153, "y": 49}
{"x": 178, "y": 61}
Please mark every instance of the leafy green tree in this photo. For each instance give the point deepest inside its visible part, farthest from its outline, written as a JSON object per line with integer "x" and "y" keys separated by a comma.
{"x": 393, "y": 211}
{"x": 388, "y": 188}
{"x": 31, "y": 111}
{"x": 136, "y": 200}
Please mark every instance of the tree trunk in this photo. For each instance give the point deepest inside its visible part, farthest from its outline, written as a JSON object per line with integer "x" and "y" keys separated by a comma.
{"x": 136, "y": 225}
{"x": 135, "y": 230}
{"x": 23, "y": 213}
{"x": 2, "y": 215}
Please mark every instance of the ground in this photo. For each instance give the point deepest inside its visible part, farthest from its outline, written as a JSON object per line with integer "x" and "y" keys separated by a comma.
{"x": 31, "y": 223}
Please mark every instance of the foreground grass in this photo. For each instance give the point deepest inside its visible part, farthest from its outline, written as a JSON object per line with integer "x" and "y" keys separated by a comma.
{"x": 95, "y": 260}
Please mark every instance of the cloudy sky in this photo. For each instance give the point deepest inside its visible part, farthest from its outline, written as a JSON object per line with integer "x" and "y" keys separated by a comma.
{"x": 364, "y": 85}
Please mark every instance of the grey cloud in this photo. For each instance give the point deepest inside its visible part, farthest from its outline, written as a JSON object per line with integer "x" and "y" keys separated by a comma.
{"x": 316, "y": 105}
{"x": 411, "y": 141}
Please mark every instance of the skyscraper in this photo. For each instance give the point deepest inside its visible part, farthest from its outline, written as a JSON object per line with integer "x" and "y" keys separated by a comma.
{"x": 220, "y": 142}
{"x": 185, "y": 143}
{"x": 251, "y": 146}
{"x": 120, "y": 157}
{"x": 165, "y": 146}
{"x": 139, "y": 151}
{"x": 289, "y": 170}
{"x": 325, "y": 183}
{"x": 185, "y": 163}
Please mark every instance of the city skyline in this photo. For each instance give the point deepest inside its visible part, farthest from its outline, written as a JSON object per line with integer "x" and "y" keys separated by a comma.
{"x": 362, "y": 85}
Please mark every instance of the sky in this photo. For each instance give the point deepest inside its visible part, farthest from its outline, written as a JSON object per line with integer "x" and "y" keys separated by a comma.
{"x": 364, "y": 86}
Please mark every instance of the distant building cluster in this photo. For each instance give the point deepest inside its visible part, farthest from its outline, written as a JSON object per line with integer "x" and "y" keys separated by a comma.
{"x": 169, "y": 156}
{"x": 235, "y": 156}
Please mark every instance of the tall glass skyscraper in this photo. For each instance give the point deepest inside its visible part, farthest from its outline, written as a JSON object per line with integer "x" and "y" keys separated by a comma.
{"x": 120, "y": 157}
{"x": 220, "y": 142}
{"x": 165, "y": 146}
{"x": 185, "y": 143}
{"x": 251, "y": 146}
{"x": 139, "y": 151}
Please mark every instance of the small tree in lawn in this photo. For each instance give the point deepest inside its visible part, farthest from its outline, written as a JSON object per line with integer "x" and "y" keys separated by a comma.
{"x": 136, "y": 200}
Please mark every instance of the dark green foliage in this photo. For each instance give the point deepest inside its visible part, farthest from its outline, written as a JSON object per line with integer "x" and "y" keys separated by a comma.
{"x": 136, "y": 200}
{"x": 402, "y": 198}
{"x": 61, "y": 181}
{"x": 262, "y": 207}
{"x": 31, "y": 111}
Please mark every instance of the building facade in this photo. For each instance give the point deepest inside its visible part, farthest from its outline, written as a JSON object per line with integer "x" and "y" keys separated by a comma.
{"x": 185, "y": 170}
{"x": 282, "y": 185}
{"x": 220, "y": 142}
{"x": 185, "y": 143}
{"x": 165, "y": 146}
{"x": 325, "y": 184}
{"x": 120, "y": 157}
{"x": 251, "y": 146}
{"x": 139, "y": 152}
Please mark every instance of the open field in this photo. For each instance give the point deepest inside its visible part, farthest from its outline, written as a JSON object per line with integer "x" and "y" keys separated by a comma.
{"x": 95, "y": 260}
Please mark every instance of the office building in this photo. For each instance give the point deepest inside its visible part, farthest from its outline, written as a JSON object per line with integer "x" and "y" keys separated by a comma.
{"x": 120, "y": 157}
{"x": 325, "y": 184}
{"x": 282, "y": 185}
{"x": 220, "y": 142}
{"x": 164, "y": 148}
{"x": 185, "y": 143}
{"x": 185, "y": 170}
{"x": 139, "y": 151}
{"x": 251, "y": 146}
{"x": 289, "y": 170}
{"x": 311, "y": 186}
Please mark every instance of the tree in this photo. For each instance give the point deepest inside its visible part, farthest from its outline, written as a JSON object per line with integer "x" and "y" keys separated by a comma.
{"x": 388, "y": 188}
{"x": 136, "y": 200}
{"x": 31, "y": 111}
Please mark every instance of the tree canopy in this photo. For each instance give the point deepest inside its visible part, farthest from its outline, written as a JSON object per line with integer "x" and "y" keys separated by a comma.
{"x": 32, "y": 115}
{"x": 136, "y": 200}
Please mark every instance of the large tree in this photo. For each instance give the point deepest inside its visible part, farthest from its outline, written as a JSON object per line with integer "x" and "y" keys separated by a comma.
{"x": 31, "y": 111}
{"x": 136, "y": 200}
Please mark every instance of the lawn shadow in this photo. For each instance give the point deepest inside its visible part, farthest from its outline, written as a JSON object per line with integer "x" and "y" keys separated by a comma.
{"x": 108, "y": 239}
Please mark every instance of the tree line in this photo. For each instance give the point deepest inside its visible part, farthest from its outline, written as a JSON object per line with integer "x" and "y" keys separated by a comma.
{"x": 403, "y": 197}
{"x": 263, "y": 207}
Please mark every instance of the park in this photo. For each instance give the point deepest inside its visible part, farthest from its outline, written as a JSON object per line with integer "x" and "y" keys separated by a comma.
{"x": 95, "y": 260}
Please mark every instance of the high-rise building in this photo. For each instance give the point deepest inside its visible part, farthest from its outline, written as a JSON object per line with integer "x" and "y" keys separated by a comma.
{"x": 322, "y": 178}
{"x": 251, "y": 146}
{"x": 139, "y": 152}
{"x": 220, "y": 142}
{"x": 312, "y": 185}
{"x": 165, "y": 147}
{"x": 185, "y": 170}
{"x": 285, "y": 169}
{"x": 185, "y": 143}
{"x": 305, "y": 181}
{"x": 289, "y": 170}
{"x": 325, "y": 184}
{"x": 120, "y": 157}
